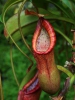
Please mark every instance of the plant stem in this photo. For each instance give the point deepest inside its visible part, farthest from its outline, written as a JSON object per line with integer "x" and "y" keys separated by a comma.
{"x": 72, "y": 76}
{"x": 65, "y": 71}
{"x": 1, "y": 92}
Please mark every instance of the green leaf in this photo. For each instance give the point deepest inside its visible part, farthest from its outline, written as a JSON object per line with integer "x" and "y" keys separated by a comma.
{"x": 8, "y": 4}
{"x": 68, "y": 20}
{"x": 0, "y": 18}
{"x": 40, "y": 3}
{"x": 59, "y": 6}
{"x": 61, "y": 33}
{"x": 28, "y": 24}
{"x": 70, "y": 5}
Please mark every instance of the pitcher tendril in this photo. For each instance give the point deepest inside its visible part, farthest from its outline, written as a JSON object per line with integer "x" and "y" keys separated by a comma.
{"x": 13, "y": 67}
{"x": 16, "y": 44}
{"x": 19, "y": 24}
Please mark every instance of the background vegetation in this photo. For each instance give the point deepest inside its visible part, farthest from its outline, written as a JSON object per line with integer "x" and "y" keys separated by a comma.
{"x": 63, "y": 50}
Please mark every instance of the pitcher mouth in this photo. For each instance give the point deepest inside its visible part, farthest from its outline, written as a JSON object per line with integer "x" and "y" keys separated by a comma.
{"x": 32, "y": 86}
{"x": 44, "y": 38}
{"x": 43, "y": 41}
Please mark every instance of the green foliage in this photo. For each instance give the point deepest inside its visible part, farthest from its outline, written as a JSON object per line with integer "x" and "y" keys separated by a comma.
{"x": 61, "y": 15}
{"x": 0, "y": 19}
{"x": 70, "y": 5}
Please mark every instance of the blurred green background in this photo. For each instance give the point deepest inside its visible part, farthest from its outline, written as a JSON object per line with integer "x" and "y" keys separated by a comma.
{"x": 10, "y": 88}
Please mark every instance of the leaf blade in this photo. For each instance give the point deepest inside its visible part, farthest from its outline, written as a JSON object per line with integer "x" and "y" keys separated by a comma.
{"x": 8, "y": 5}
{"x": 70, "y": 5}
{"x": 59, "y": 6}
{"x": 28, "y": 24}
